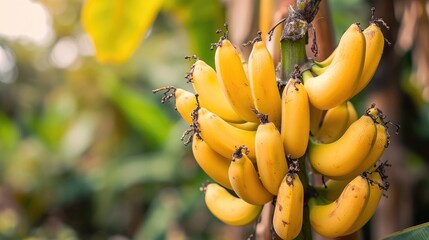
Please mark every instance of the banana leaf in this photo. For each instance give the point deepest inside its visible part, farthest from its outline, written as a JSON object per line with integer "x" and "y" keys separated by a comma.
{"x": 413, "y": 233}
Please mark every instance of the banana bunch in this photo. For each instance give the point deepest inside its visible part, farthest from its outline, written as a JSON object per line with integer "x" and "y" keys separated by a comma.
{"x": 250, "y": 133}
{"x": 346, "y": 206}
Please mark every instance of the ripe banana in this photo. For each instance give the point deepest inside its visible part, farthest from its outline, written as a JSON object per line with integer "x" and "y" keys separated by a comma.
{"x": 325, "y": 63}
{"x": 374, "y": 45}
{"x": 249, "y": 126}
{"x": 206, "y": 84}
{"x": 352, "y": 113}
{"x": 374, "y": 49}
{"x": 262, "y": 78}
{"x": 270, "y": 156}
{"x": 215, "y": 165}
{"x": 288, "y": 212}
{"x": 339, "y": 159}
{"x": 316, "y": 117}
{"x": 334, "y": 124}
{"x": 223, "y": 137}
{"x": 245, "y": 180}
{"x": 228, "y": 208}
{"x": 335, "y": 218}
{"x": 233, "y": 80}
{"x": 295, "y": 118}
{"x": 376, "y": 151}
{"x": 376, "y": 191}
{"x": 186, "y": 101}
{"x": 337, "y": 83}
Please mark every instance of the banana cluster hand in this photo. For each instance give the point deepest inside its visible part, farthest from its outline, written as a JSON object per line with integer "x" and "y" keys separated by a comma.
{"x": 248, "y": 132}
{"x": 342, "y": 207}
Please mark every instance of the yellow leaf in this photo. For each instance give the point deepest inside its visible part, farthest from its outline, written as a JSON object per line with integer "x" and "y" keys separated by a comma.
{"x": 117, "y": 27}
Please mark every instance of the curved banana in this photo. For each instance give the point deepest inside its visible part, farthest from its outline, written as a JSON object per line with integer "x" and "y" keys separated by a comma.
{"x": 212, "y": 163}
{"x": 288, "y": 212}
{"x": 335, "y": 218}
{"x": 233, "y": 80}
{"x": 206, "y": 84}
{"x": 245, "y": 180}
{"x": 376, "y": 151}
{"x": 374, "y": 49}
{"x": 295, "y": 118}
{"x": 228, "y": 208}
{"x": 352, "y": 113}
{"x": 334, "y": 124}
{"x": 338, "y": 82}
{"x": 327, "y": 61}
{"x": 339, "y": 159}
{"x": 262, "y": 78}
{"x": 223, "y": 137}
{"x": 249, "y": 126}
{"x": 376, "y": 192}
{"x": 186, "y": 101}
{"x": 270, "y": 156}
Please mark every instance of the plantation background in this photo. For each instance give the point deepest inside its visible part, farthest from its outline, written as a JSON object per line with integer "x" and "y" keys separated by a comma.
{"x": 88, "y": 152}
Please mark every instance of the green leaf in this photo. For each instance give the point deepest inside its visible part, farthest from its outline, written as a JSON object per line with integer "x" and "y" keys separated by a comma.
{"x": 118, "y": 26}
{"x": 416, "y": 232}
{"x": 143, "y": 115}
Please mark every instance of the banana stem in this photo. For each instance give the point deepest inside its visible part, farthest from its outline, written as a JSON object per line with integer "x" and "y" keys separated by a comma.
{"x": 293, "y": 52}
{"x": 293, "y": 41}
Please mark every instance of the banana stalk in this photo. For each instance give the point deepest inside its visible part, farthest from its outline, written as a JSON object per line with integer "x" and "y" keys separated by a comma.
{"x": 293, "y": 41}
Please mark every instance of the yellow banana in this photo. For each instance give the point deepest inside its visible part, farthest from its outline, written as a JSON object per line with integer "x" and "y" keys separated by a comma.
{"x": 334, "y": 124}
{"x": 233, "y": 80}
{"x": 206, "y": 84}
{"x": 215, "y": 165}
{"x": 262, "y": 78}
{"x": 335, "y": 218}
{"x": 339, "y": 159}
{"x": 228, "y": 208}
{"x": 376, "y": 151}
{"x": 325, "y": 63}
{"x": 270, "y": 156}
{"x": 223, "y": 137}
{"x": 352, "y": 113}
{"x": 250, "y": 126}
{"x": 374, "y": 49}
{"x": 186, "y": 101}
{"x": 245, "y": 180}
{"x": 316, "y": 117}
{"x": 374, "y": 45}
{"x": 376, "y": 191}
{"x": 288, "y": 212}
{"x": 338, "y": 82}
{"x": 295, "y": 118}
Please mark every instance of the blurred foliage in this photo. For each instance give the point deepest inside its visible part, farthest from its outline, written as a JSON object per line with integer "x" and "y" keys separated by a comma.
{"x": 87, "y": 151}
{"x": 117, "y": 27}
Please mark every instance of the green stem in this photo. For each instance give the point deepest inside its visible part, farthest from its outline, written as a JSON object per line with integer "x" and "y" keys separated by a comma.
{"x": 293, "y": 52}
